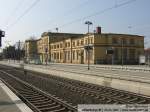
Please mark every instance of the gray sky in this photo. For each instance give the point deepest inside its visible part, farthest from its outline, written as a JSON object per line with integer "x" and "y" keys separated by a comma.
{"x": 24, "y": 18}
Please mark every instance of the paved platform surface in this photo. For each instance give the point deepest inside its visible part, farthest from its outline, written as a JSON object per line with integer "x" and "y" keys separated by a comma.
{"x": 9, "y": 102}
{"x": 130, "y": 72}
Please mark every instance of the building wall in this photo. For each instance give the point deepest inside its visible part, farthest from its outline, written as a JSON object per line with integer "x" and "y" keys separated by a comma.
{"x": 127, "y": 48}
{"x": 56, "y": 51}
{"x": 30, "y": 50}
{"x": 43, "y": 49}
{"x": 71, "y": 50}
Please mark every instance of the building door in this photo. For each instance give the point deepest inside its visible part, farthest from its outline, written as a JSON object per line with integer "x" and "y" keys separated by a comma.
{"x": 64, "y": 57}
{"x": 82, "y": 57}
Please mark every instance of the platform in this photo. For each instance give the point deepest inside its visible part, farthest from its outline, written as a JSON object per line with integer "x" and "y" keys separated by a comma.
{"x": 136, "y": 81}
{"x": 9, "y": 102}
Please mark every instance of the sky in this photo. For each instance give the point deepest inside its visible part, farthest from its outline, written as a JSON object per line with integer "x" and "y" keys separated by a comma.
{"x": 21, "y": 19}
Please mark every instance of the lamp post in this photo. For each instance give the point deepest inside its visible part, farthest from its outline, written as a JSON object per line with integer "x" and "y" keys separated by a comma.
{"x": 122, "y": 60}
{"x": 88, "y": 50}
{"x": 46, "y": 50}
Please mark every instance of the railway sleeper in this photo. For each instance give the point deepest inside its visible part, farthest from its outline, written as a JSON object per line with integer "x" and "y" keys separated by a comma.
{"x": 109, "y": 101}
{"x": 122, "y": 96}
{"x": 43, "y": 103}
{"x": 62, "y": 110}
{"x": 41, "y": 100}
{"x": 28, "y": 92}
{"x": 134, "y": 100}
{"x": 47, "y": 105}
{"x": 144, "y": 101}
{"x": 36, "y": 98}
{"x": 56, "y": 107}
{"x": 126, "y": 98}
{"x": 31, "y": 95}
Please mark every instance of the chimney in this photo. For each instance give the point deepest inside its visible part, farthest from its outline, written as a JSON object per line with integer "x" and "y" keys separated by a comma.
{"x": 98, "y": 30}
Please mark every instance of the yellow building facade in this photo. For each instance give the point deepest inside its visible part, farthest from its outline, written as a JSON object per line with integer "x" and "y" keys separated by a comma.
{"x": 45, "y": 48}
{"x": 70, "y": 48}
{"x": 126, "y": 48}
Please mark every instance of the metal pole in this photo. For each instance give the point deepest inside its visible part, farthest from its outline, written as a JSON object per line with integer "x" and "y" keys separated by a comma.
{"x": 112, "y": 59}
{"x": 112, "y": 56}
{"x": 46, "y": 50}
{"x": 46, "y": 58}
{"x": 19, "y": 50}
{"x": 122, "y": 50}
{"x": 148, "y": 59}
{"x": 88, "y": 50}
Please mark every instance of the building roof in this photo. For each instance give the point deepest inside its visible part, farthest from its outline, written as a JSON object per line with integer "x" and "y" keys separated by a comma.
{"x": 57, "y": 34}
{"x": 122, "y": 34}
{"x": 30, "y": 40}
{"x": 62, "y": 36}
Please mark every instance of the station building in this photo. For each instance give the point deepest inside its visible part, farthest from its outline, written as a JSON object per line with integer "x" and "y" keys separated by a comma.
{"x": 71, "y": 48}
{"x": 126, "y": 49}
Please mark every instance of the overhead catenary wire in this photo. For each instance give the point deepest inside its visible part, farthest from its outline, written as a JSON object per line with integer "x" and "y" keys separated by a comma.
{"x": 69, "y": 12}
{"x": 23, "y": 14}
{"x": 98, "y": 13}
{"x": 76, "y": 7}
{"x": 19, "y": 4}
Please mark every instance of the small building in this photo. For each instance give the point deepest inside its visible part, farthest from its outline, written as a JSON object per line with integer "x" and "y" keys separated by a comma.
{"x": 30, "y": 50}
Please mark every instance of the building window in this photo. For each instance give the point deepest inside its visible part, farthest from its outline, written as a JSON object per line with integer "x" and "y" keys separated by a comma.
{"x": 78, "y": 42}
{"x": 91, "y": 54}
{"x": 54, "y": 46}
{"x": 73, "y": 55}
{"x": 57, "y": 46}
{"x": 114, "y": 41}
{"x": 132, "y": 41}
{"x": 73, "y": 43}
{"x": 124, "y": 41}
{"x": 54, "y": 55}
{"x": 91, "y": 41}
{"x": 116, "y": 55}
{"x": 125, "y": 54}
{"x": 58, "y": 55}
{"x": 86, "y": 55}
{"x": 86, "y": 41}
{"x": 68, "y": 55}
{"x": 68, "y": 44}
{"x": 60, "y": 45}
{"x": 77, "y": 52}
{"x": 132, "y": 54}
{"x": 51, "y": 46}
{"x": 51, "y": 56}
{"x": 82, "y": 42}
{"x": 65, "y": 55}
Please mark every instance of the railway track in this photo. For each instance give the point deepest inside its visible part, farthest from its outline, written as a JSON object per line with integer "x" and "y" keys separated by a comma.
{"x": 103, "y": 94}
{"x": 36, "y": 99}
{"x": 124, "y": 96}
{"x": 92, "y": 93}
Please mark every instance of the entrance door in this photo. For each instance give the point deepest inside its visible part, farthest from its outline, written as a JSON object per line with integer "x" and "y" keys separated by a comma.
{"x": 82, "y": 57}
